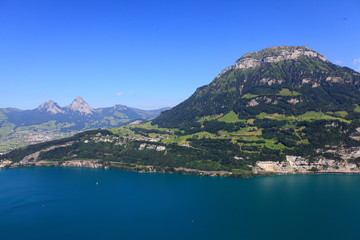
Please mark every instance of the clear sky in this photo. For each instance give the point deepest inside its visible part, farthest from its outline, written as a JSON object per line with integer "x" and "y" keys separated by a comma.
{"x": 149, "y": 54}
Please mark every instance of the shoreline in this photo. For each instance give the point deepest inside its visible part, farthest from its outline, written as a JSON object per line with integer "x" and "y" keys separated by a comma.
{"x": 90, "y": 163}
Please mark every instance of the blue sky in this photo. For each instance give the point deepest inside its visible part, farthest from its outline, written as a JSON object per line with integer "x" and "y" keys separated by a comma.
{"x": 149, "y": 54}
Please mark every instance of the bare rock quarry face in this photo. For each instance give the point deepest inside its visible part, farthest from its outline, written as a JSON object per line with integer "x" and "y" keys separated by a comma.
{"x": 296, "y": 164}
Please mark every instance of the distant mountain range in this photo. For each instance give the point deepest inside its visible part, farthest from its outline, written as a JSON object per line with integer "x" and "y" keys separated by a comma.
{"x": 49, "y": 121}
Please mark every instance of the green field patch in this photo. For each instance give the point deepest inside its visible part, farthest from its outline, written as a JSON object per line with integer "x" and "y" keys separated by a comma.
{"x": 304, "y": 141}
{"x": 150, "y": 126}
{"x": 275, "y": 116}
{"x": 247, "y": 131}
{"x": 274, "y": 144}
{"x": 286, "y": 92}
{"x": 170, "y": 140}
{"x": 249, "y": 96}
{"x": 341, "y": 114}
{"x": 250, "y": 121}
{"x": 251, "y": 138}
{"x": 251, "y": 133}
{"x": 122, "y": 131}
{"x": 224, "y": 133}
{"x": 230, "y": 117}
{"x": 209, "y": 118}
{"x": 146, "y": 125}
{"x": 260, "y": 142}
{"x": 201, "y": 135}
{"x": 310, "y": 116}
{"x": 357, "y": 108}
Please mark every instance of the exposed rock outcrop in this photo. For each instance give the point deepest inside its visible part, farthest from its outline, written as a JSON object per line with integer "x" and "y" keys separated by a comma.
{"x": 83, "y": 163}
{"x": 79, "y": 105}
{"x": 273, "y": 55}
{"x": 296, "y": 164}
{"x": 50, "y": 107}
{"x": 252, "y": 103}
{"x": 146, "y": 146}
{"x": 270, "y": 82}
{"x": 293, "y": 101}
{"x": 334, "y": 79}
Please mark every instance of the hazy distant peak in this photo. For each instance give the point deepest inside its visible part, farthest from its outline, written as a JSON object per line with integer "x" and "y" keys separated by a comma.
{"x": 51, "y": 107}
{"x": 120, "y": 107}
{"x": 80, "y": 105}
{"x": 79, "y": 100}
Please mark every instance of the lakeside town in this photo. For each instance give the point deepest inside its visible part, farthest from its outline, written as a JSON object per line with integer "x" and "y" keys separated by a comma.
{"x": 23, "y": 138}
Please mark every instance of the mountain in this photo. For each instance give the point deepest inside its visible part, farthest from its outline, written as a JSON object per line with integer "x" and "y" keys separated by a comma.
{"x": 49, "y": 121}
{"x": 282, "y": 79}
{"x": 280, "y": 110}
{"x": 50, "y": 107}
{"x": 80, "y": 106}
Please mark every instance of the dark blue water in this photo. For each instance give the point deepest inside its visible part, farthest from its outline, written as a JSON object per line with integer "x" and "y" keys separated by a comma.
{"x": 66, "y": 203}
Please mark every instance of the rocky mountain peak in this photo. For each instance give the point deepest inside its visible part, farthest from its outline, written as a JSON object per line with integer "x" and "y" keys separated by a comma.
{"x": 51, "y": 107}
{"x": 274, "y": 55}
{"x": 282, "y": 53}
{"x": 80, "y": 105}
{"x": 79, "y": 100}
{"x": 120, "y": 107}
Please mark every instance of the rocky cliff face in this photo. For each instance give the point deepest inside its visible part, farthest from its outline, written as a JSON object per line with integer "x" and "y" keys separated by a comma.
{"x": 273, "y": 55}
{"x": 345, "y": 163}
{"x": 79, "y": 105}
{"x": 50, "y": 107}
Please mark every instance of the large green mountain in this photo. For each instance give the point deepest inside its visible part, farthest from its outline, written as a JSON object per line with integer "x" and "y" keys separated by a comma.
{"x": 290, "y": 80}
{"x": 279, "y": 110}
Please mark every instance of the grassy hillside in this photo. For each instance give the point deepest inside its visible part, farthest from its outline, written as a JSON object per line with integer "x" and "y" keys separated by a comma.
{"x": 222, "y": 143}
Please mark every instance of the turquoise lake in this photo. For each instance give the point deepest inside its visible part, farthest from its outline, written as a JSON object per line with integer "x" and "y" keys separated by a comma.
{"x": 82, "y": 203}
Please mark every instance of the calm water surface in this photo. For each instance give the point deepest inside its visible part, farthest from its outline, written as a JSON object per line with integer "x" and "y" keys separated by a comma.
{"x": 81, "y": 203}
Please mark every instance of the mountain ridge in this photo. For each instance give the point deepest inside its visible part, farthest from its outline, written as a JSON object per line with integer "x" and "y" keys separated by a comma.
{"x": 49, "y": 120}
